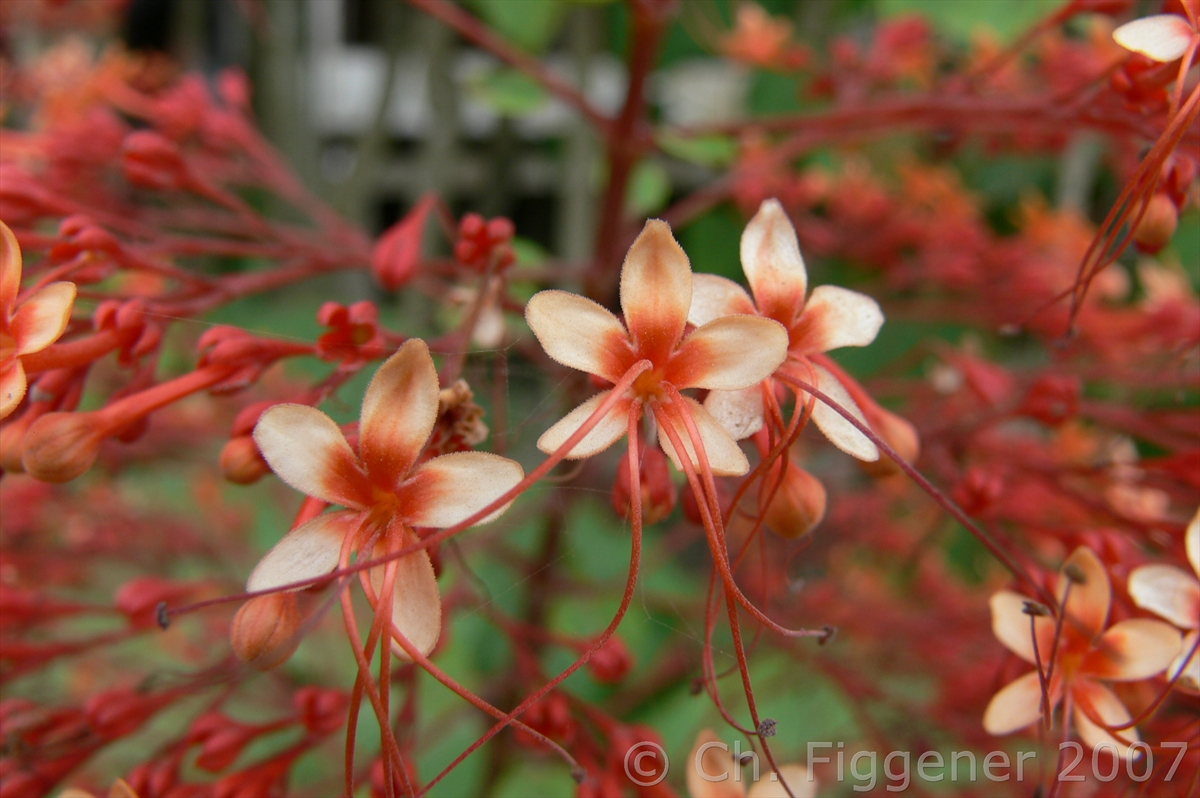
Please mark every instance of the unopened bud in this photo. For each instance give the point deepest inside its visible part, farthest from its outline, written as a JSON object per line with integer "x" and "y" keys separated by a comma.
{"x": 241, "y": 461}
{"x": 896, "y": 432}
{"x": 612, "y": 663}
{"x": 60, "y": 446}
{"x": 658, "y": 491}
{"x": 263, "y": 632}
{"x": 1157, "y": 227}
{"x": 152, "y": 161}
{"x": 798, "y": 505}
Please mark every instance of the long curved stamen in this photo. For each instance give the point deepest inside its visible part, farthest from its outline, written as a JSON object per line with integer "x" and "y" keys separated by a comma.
{"x": 635, "y": 557}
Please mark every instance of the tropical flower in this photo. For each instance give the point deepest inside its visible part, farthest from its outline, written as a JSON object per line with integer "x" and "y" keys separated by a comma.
{"x": 656, "y": 292}
{"x": 1085, "y": 655}
{"x": 28, "y": 327}
{"x": 1161, "y": 37}
{"x": 830, "y": 318}
{"x": 385, "y": 493}
{"x": 1174, "y": 594}
{"x": 712, "y": 772}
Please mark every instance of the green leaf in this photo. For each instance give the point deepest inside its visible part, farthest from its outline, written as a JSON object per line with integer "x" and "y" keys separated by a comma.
{"x": 649, "y": 189}
{"x": 530, "y": 24}
{"x": 962, "y": 19}
{"x": 713, "y": 150}
{"x": 509, "y": 92}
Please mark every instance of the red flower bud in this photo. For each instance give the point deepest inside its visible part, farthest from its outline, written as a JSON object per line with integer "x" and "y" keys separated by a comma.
{"x": 321, "y": 711}
{"x": 397, "y": 253}
{"x": 897, "y": 432}
{"x": 241, "y": 461}
{"x": 658, "y": 491}
{"x": 222, "y": 748}
{"x": 264, "y": 631}
{"x": 60, "y": 446}
{"x": 1052, "y": 399}
{"x": 1157, "y": 227}
{"x": 798, "y": 504}
{"x": 151, "y": 161}
{"x": 612, "y": 663}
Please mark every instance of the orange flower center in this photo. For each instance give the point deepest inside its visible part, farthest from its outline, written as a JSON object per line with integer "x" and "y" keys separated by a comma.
{"x": 649, "y": 385}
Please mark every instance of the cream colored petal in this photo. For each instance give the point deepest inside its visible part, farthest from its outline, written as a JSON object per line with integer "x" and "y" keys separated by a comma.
{"x": 1132, "y": 650}
{"x": 838, "y": 430}
{"x": 416, "y": 601}
{"x": 711, "y": 770}
{"x": 310, "y": 550}
{"x": 1011, "y": 626}
{"x": 835, "y": 317}
{"x": 1167, "y": 591}
{"x": 729, "y": 354}
{"x": 398, "y": 413}
{"x": 1090, "y": 596}
{"x": 740, "y": 413}
{"x": 1017, "y": 705}
{"x": 607, "y": 432}
{"x": 450, "y": 488}
{"x": 772, "y": 263}
{"x": 1103, "y": 704}
{"x": 714, "y": 297}
{"x": 1191, "y": 542}
{"x": 10, "y": 270}
{"x": 307, "y": 450}
{"x": 1189, "y": 680}
{"x": 656, "y": 291}
{"x": 802, "y": 783}
{"x": 42, "y": 317}
{"x": 12, "y": 386}
{"x": 1161, "y": 37}
{"x": 580, "y": 334}
{"x": 724, "y": 456}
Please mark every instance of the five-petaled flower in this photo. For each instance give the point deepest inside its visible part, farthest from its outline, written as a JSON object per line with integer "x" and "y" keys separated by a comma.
{"x": 28, "y": 327}
{"x": 830, "y": 318}
{"x": 1085, "y": 654}
{"x": 385, "y": 493}
{"x": 1174, "y": 594}
{"x": 656, "y": 292}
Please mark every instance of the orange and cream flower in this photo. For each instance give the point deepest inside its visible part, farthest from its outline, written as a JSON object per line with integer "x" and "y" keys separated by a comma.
{"x": 829, "y": 318}
{"x": 1088, "y": 653}
{"x": 656, "y": 292}
{"x": 1174, "y": 594}
{"x": 26, "y": 327}
{"x": 712, "y": 772}
{"x": 385, "y": 492}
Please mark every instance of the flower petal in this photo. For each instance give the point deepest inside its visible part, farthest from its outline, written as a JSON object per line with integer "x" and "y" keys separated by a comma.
{"x": 1189, "y": 680}
{"x": 802, "y": 783}
{"x": 307, "y": 450}
{"x": 607, "y": 432}
{"x": 1161, "y": 37}
{"x": 724, "y": 456}
{"x": 42, "y": 317}
{"x": 740, "y": 413}
{"x": 1011, "y": 626}
{"x": 398, "y": 413}
{"x": 656, "y": 291}
{"x": 308, "y": 551}
{"x": 10, "y": 270}
{"x": 838, "y": 430}
{"x": 1091, "y": 592}
{"x": 772, "y": 263}
{"x": 1097, "y": 699}
{"x": 835, "y": 317}
{"x": 1018, "y": 704}
{"x": 714, "y": 297}
{"x": 1191, "y": 542}
{"x": 580, "y": 334}
{"x": 447, "y": 489}
{"x": 729, "y": 354}
{"x": 12, "y": 386}
{"x": 711, "y": 771}
{"x": 1167, "y": 591}
{"x": 416, "y": 601}
{"x": 1132, "y": 650}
